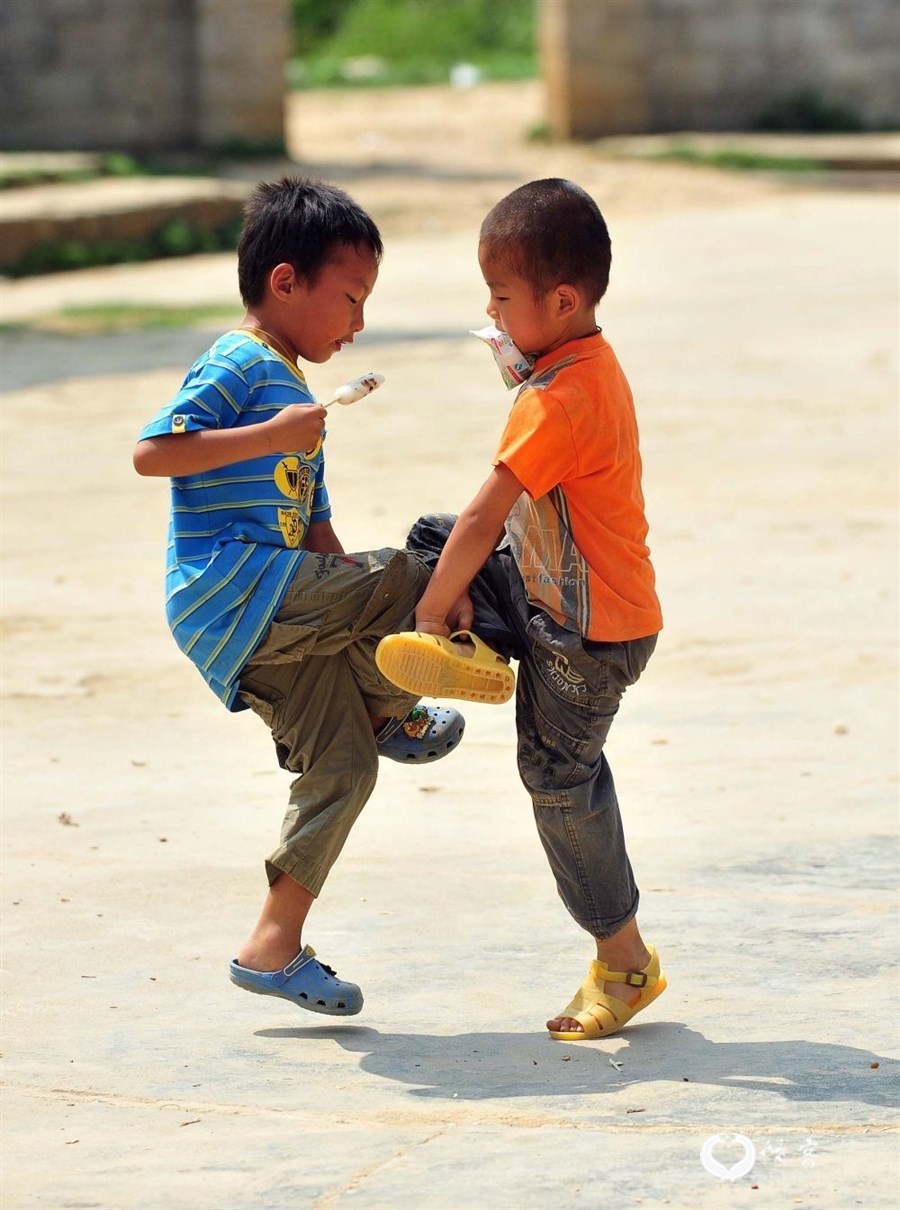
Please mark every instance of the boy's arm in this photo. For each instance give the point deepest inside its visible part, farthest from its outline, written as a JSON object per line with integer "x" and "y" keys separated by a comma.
{"x": 472, "y": 539}
{"x": 297, "y": 427}
{"x": 322, "y": 538}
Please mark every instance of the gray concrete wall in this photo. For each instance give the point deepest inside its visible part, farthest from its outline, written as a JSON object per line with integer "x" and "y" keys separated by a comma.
{"x": 629, "y": 66}
{"x": 141, "y": 74}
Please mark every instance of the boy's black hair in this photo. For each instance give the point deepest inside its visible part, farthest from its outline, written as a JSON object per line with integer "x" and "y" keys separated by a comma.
{"x": 549, "y": 232}
{"x": 299, "y": 222}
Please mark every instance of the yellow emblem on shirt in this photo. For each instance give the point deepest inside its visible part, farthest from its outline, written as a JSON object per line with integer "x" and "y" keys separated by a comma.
{"x": 293, "y": 478}
{"x": 291, "y": 526}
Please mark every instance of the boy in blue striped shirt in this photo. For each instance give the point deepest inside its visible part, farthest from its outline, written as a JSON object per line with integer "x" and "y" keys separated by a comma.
{"x": 260, "y": 594}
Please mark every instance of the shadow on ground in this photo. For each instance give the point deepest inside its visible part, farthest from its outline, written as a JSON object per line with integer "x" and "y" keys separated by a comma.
{"x": 38, "y": 358}
{"x": 488, "y": 1066}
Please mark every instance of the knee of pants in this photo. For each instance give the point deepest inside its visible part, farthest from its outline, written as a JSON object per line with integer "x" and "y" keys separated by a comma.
{"x": 555, "y": 779}
{"x": 330, "y": 785}
{"x": 430, "y": 533}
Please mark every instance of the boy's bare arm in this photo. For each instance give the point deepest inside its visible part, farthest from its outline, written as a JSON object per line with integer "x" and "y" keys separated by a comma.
{"x": 297, "y": 427}
{"x": 322, "y": 538}
{"x": 473, "y": 538}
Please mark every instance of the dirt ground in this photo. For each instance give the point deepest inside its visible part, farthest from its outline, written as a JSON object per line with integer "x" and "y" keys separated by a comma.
{"x": 756, "y": 760}
{"x": 431, "y": 160}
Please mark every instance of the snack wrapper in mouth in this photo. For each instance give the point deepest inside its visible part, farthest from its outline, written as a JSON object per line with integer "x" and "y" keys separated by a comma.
{"x": 514, "y": 365}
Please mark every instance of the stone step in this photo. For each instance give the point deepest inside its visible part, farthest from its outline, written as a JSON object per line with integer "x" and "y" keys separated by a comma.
{"x": 119, "y": 209}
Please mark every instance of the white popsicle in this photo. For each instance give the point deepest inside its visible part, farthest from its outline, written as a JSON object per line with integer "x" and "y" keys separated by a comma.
{"x": 359, "y": 388}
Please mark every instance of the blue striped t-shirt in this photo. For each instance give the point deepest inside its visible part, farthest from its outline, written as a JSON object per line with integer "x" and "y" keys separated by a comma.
{"x": 235, "y": 533}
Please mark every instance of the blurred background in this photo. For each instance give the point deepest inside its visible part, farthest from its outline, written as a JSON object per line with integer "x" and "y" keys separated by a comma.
{"x": 746, "y": 157}
{"x": 97, "y": 90}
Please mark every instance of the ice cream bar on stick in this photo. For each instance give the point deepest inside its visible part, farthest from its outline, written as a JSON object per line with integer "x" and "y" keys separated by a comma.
{"x": 359, "y": 388}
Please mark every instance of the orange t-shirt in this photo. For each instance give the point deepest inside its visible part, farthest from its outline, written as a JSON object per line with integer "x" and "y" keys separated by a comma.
{"x": 578, "y": 532}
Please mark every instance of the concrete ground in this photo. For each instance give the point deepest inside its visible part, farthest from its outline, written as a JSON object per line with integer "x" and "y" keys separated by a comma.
{"x": 756, "y": 762}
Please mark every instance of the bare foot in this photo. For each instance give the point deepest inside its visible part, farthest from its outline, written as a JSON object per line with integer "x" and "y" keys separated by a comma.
{"x": 621, "y": 991}
{"x": 275, "y": 939}
{"x": 623, "y": 951}
{"x": 257, "y": 954}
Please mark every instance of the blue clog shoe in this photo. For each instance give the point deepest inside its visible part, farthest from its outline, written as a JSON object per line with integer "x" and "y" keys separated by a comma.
{"x": 426, "y": 734}
{"x": 304, "y": 981}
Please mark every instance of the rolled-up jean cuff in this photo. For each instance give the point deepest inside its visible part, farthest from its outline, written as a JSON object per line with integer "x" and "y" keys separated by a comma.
{"x": 602, "y": 932}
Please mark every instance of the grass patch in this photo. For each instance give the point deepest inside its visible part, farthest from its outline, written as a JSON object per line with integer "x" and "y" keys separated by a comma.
{"x": 20, "y": 169}
{"x": 371, "y": 71}
{"x": 809, "y": 112}
{"x": 371, "y": 43}
{"x": 108, "y": 164}
{"x": 105, "y": 318}
{"x": 736, "y": 159}
{"x": 176, "y": 237}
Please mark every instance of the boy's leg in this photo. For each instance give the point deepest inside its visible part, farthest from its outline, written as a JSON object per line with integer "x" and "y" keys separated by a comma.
{"x": 495, "y": 616}
{"x": 564, "y": 710}
{"x": 308, "y": 681}
{"x": 568, "y": 696}
{"x": 564, "y": 713}
{"x": 323, "y": 732}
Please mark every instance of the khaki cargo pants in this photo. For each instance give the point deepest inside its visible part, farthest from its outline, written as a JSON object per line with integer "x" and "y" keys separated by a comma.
{"x": 314, "y": 682}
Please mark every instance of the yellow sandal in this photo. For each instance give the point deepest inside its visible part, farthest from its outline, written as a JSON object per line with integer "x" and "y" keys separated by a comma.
{"x": 601, "y": 1014}
{"x": 434, "y": 666}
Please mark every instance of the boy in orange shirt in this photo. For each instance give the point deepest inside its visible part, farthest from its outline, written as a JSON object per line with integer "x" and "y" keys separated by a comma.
{"x": 570, "y": 593}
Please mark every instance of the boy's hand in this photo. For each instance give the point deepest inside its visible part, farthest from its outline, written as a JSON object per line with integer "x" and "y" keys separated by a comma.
{"x": 426, "y": 625}
{"x": 461, "y": 613}
{"x": 460, "y": 616}
{"x": 298, "y": 427}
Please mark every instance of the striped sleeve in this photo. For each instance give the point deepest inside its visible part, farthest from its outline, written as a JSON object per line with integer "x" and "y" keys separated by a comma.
{"x": 212, "y": 396}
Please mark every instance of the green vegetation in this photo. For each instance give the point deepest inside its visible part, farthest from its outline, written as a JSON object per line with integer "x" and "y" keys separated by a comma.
{"x": 97, "y": 320}
{"x": 391, "y": 42}
{"x": 111, "y": 163}
{"x": 177, "y": 237}
{"x": 736, "y": 158}
{"x": 807, "y": 112}
{"x": 20, "y": 169}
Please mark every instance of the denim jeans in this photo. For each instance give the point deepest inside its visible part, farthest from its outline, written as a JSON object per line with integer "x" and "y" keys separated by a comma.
{"x": 567, "y": 695}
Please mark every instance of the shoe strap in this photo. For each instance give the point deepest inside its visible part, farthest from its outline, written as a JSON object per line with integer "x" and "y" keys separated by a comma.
{"x": 295, "y": 964}
{"x": 631, "y": 978}
{"x": 391, "y": 727}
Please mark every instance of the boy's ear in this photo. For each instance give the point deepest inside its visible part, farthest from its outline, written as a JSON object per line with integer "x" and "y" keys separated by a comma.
{"x": 283, "y": 280}
{"x": 568, "y": 299}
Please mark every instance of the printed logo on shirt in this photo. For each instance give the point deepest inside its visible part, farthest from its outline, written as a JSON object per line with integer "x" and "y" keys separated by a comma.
{"x": 291, "y": 526}
{"x": 294, "y": 479}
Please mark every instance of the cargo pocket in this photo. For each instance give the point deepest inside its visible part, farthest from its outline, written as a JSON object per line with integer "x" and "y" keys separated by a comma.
{"x": 284, "y": 643}
{"x": 394, "y": 599}
{"x": 259, "y": 705}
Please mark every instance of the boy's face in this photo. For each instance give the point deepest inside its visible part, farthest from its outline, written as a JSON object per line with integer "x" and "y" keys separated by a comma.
{"x": 529, "y": 322}
{"x": 321, "y": 317}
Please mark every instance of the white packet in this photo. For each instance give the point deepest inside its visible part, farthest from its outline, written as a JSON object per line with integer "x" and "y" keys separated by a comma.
{"x": 514, "y": 365}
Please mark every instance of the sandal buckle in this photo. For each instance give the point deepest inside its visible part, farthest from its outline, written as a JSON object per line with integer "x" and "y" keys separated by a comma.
{"x": 636, "y": 979}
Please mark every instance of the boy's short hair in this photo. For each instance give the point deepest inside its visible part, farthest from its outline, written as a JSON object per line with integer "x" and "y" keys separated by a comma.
{"x": 549, "y": 232}
{"x": 299, "y": 222}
